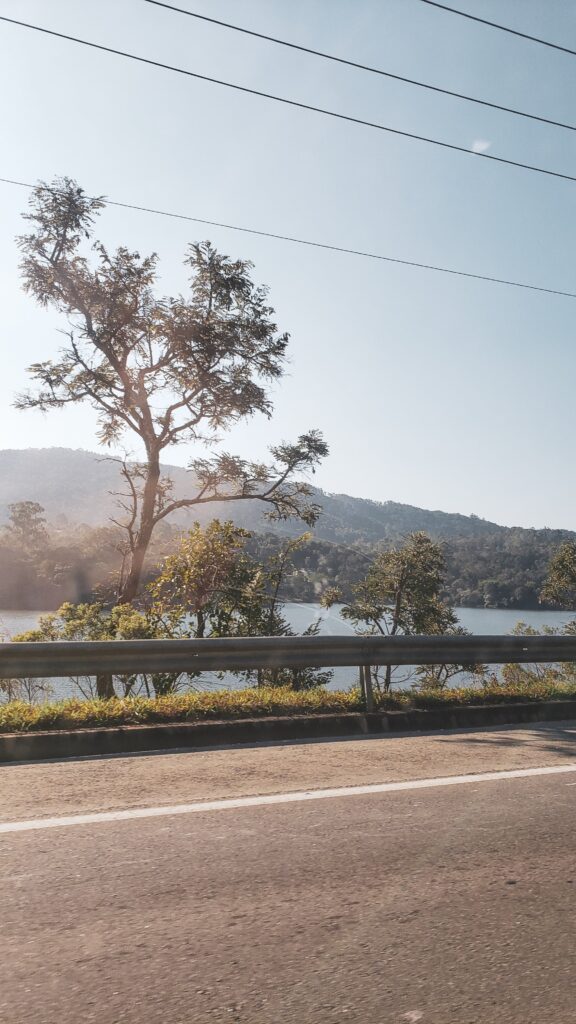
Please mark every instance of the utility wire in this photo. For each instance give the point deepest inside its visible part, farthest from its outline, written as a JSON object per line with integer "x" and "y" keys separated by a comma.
{"x": 362, "y": 67}
{"x": 293, "y": 103}
{"x": 307, "y": 241}
{"x": 502, "y": 28}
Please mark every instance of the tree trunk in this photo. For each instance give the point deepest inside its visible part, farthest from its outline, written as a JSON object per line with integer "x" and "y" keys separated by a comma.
{"x": 105, "y": 687}
{"x": 131, "y": 585}
{"x": 394, "y": 628}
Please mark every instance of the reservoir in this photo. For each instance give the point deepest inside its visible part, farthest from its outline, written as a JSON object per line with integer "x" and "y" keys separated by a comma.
{"x": 481, "y": 621}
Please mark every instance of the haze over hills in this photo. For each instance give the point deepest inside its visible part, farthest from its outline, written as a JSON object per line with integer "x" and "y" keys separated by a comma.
{"x": 78, "y": 486}
{"x": 487, "y": 565}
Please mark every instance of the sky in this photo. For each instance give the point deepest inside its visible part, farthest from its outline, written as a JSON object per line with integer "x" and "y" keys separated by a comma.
{"x": 433, "y": 390}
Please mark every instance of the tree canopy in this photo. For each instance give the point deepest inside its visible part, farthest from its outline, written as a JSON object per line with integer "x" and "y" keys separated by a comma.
{"x": 210, "y": 587}
{"x": 560, "y": 584}
{"x": 161, "y": 370}
{"x": 401, "y": 595}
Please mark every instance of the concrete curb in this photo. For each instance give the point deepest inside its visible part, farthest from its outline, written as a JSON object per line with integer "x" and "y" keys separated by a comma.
{"x": 36, "y": 746}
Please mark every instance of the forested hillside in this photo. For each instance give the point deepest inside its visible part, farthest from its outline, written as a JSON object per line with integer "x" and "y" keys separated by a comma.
{"x": 488, "y": 565}
{"x": 77, "y": 487}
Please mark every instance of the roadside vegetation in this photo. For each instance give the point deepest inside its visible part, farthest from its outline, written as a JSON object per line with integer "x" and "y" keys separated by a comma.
{"x": 213, "y": 587}
{"x": 257, "y": 702}
{"x": 401, "y": 595}
{"x": 210, "y": 588}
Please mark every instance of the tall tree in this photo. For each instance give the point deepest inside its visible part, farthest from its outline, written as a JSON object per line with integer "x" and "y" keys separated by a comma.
{"x": 27, "y": 526}
{"x": 165, "y": 371}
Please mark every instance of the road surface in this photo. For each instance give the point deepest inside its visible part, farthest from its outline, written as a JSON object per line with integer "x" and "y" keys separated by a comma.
{"x": 446, "y": 904}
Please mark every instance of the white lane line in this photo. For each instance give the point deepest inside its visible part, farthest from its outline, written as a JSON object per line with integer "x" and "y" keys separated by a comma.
{"x": 277, "y": 798}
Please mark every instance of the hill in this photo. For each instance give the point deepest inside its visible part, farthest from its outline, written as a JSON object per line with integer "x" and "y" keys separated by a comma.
{"x": 78, "y": 486}
{"x": 488, "y": 565}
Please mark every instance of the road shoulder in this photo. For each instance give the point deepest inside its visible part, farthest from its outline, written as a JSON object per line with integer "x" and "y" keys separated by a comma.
{"x": 101, "y": 784}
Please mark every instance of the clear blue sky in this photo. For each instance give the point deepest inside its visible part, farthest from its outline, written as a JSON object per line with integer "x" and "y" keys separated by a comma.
{"x": 431, "y": 390}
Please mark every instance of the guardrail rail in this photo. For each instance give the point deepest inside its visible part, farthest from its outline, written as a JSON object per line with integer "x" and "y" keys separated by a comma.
{"x": 131, "y": 657}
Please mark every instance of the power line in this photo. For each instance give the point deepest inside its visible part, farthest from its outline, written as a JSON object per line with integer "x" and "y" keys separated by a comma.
{"x": 309, "y": 242}
{"x": 502, "y": 28}
{"x": 293, "y": 103}
{"x": 361, "y": 67}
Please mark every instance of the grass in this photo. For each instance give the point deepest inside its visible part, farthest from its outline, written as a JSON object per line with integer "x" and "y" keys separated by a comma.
{"x": 19, "y": 716}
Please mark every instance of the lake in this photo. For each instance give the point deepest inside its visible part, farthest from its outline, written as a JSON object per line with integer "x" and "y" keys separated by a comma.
{"x": 481, "y": 621}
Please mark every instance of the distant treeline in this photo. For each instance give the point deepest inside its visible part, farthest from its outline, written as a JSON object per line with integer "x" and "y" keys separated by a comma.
{"x": 502, "y": 570}
{"x": 41, "y": 565}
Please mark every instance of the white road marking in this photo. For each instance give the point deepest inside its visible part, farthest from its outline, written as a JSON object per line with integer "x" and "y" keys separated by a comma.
{"x": 203, "y": 806}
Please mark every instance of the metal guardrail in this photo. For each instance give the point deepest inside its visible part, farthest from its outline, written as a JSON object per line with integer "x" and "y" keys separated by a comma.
{"x": 132, "y": 657}
{"x": 127, "y": 657}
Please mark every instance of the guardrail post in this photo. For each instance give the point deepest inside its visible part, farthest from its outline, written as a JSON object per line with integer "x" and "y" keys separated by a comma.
{"x": 366, "y": 687}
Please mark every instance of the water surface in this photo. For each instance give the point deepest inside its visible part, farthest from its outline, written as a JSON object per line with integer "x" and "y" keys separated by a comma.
{"x": 480, "y": 621}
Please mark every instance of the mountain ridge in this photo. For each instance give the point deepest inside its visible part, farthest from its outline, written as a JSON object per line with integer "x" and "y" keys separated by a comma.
{"x": 76, "y": 485}
{"x": 488, "y": 565}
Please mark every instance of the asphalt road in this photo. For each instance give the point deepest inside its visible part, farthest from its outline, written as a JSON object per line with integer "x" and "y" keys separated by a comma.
{"x": 446, "y": 905}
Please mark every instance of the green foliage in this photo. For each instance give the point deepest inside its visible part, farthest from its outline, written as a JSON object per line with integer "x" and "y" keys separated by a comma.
{"x": 210, "y": 587}
{"x": 18, "y": 716}
{"x": 560, "y": 585}
{"x": 78, "y": 563}
{"x": 401, "y": 591}
{"x": 207, "y": 586}
{"x": 27, "y": 526}
{"x": 96, "y": 622}
{"x": 505, "y": 569}
{"x": 400, "y": 595}
{"x": 494, "y": 691}
{"x": 89, "y": 622}
{"x": 486, "y": 565}
{"x": 531, "y": 675}
{"x": 65, "y": 563}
